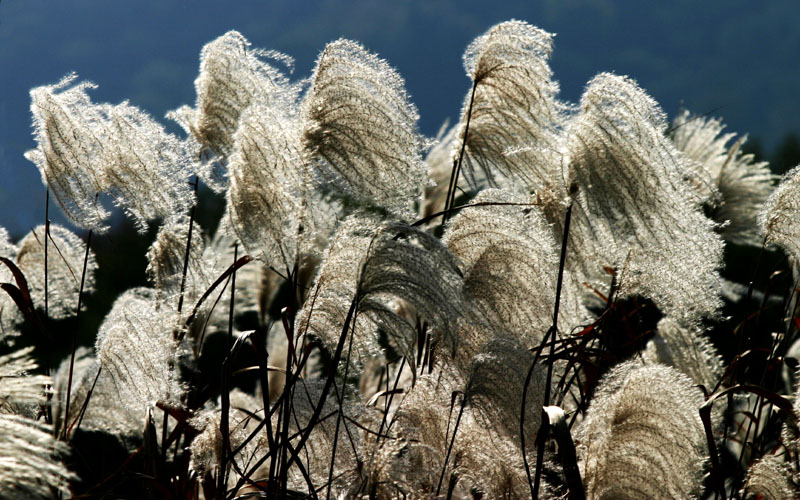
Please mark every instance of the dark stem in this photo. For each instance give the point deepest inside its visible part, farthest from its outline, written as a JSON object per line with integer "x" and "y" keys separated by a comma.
{"x": 522, "y": 410}
{"x": 77, "y": 423}
{"x": 284, "y": 421}
{"x": 452, "y": 442}
{"x": 46, "y": 237}
{"x": 554, "y": 329}
{"x": 339, "y": 417}
{"x": 259, "y": 340}
{"x": 64, "y": 431}
{"x": 451, "y": 189}
{"x": 391, "y": 396}
{"x": 337, "y": 356}
{"x": 188, "y": 252}
{"x": 224, "y": 424}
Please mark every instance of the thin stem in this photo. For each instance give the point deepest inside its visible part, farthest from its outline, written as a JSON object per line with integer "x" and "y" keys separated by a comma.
{"x": 286, "y": 408}
{"x": 77, "y": 423}
{"x": 224, "y": 425}
{"x": 452, "y": 442}
{"x": 451, "y": 189}
{"x": 522, "y": 411}
{"x": 554, "y": 329}
{"x": 64, "y": 430}
{"x": 46, "y": 237}
{"x": 337, "y": 356}
{"x": 188, "y": 252}
{"x": 391, "y": 396}
{"x": 339, "y": 417}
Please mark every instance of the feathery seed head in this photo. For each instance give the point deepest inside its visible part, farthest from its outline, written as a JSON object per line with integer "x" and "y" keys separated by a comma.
{"x": 146, "y": 168}
{"x": 687, "y": 349}
{"x": 770, "y": 479}
{"x": 85, "y": 149}
{"x": 495, "y": 386}
{"x": 266, "y": 184}
{"x": 511, "y": 266}
{"x": 10, "y": 315}
{"x": 361, "y": 129}
{"x": 29, "y": 467}
{"x": 68, "y": 131}
{"x": 104, "y": 412}
{"x": 515, "y": 120}
{"x": 135, "y": 346}
{"x": 383, "y": 263}
{"x": 635, "y": 201}
{"x": 779, "y": 216}
{"x": 739, "y": 186}
{"x": 64, "y": 267}
{"x": 642, "y": 436}
{"x": 232, "y": 76}
{"x": 413, "y": 266}
{"x": 166, "y": 256}
{"x": 17, "y": 385}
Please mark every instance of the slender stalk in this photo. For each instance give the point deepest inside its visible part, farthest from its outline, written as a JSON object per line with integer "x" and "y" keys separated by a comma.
{"x": 178, "y": 334}
{"x": 391, "y": 396}
{"x": 188, "y": 251}
{"x": 258, "y": 338}
{"x": 283, "y": 423}
{"x": 452, "y": 442}
{"x": 522, "y": 410}
{"x": 337, "y": 356}
{"x": 778, "y": 346}
{"x": 554, "y": 329}
{"x": 46, "y": 238}
{"x": 77, "y": 423}
{"x": 451, "y": 189}
{"x": 64, "y": 430}
{"x": 339, "y": 417}
{"x": 224, "y": 424}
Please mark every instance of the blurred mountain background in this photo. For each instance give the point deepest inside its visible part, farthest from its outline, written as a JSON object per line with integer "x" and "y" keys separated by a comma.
{"x": 735, "y": 59}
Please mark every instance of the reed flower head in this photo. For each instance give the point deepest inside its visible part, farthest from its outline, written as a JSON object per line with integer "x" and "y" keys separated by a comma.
{"x": 515, "y": 119}
{"x": 361, "y": 129}
{"x": 739, "y": 186}
{"x": 642, "y": 436}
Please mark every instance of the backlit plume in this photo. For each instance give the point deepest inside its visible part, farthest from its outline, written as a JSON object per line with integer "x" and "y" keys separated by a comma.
{"x": 515, "y": 120}
{"x": 633, "y": 193}
{"x": 361, "y": 129}
{"x": 85, "y": 150}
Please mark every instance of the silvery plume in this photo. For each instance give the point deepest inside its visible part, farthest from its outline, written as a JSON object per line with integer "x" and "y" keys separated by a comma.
{"x": 30, "y": 465}
{"x": 64, "y": 269}
{"x": 376, "y": 264}
{"x": 136, "y": 347}
{"x": 635, "y": 202}
{"x": 770, "y": 478}
{"x": 779, "y": 216}
{"x": 10, "y": 315}
{"x": 232, "y": 76}
{"x": 739, "y": 185}
{"x": 642, "y": 436}
{"x": 510, "y": 263}
{"x": 360, "y": 130}
{"x": 85, "y": 150}
{"x": 686, "y": 348}
{"x": 515, "y": 119}
{"x": 103, "y": 412}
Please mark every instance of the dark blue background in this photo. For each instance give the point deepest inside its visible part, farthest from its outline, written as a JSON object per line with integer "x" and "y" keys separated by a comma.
{"x": 735, "y": 56}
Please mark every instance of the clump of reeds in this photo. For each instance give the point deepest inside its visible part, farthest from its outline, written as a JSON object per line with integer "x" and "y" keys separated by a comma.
{"x": 546, "y": 329}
